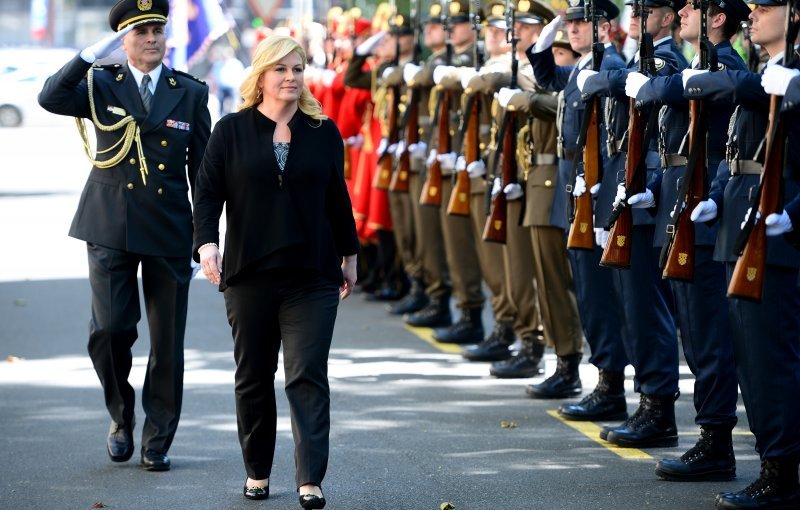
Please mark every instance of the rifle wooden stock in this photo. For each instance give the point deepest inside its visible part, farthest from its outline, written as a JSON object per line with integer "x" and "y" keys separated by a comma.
{"x": 681, "y": 258}
{"x": 747, "y": 281}
{"x": 495, "y": 229}
{"x": 581, "y": 232}
{"x": 383, "y": 176}
{"x": 399, "y": 182}
{"x": 432, "y": 187}
{"x": 459, "y": 199}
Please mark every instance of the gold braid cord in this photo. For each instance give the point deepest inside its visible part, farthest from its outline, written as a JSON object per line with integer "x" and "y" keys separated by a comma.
{"x": 130, "y": 135}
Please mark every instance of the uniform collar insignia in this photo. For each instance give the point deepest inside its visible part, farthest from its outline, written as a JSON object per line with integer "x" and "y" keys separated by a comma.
{"x": 120, "y": 76}
{"x": 172, "y": 81}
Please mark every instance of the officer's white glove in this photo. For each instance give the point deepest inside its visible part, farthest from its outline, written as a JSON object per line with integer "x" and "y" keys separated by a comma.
{"x": 417, "y": 150}
{"x": 547, "y": 36}
{"x": 513, "y": 191}
{"x": 328, "y": 76}
{"x": 370, "y": 44}
{"x": 431, "y": 157}
{"x": 466, "y": 74}
{"x": 440, "y": 72}
{"x": 497, "y": 187}
{"x": 584, "y": 75}
{"x": 447, "y": 161}
{"x": 400, "y": 148}
{"x": 687, "y": 74}
{"x": 505, "y": 94}
{"x": 776, "y": 224}
{"x": 391, "y": 149}
{"x": 704, "y": 211}
{"x": 355, "y": 141}
{"x": 105, "y": 46}
{"x": 644, "y": 200}
{"x": 387, "y": 72}
{"x": 384, "y": 143}
{"x": 633, "y": 83}
{"x": 580, "y": 186}
{"x": 461, "y": 164}
{"x": 776, "y": 78}
{"x": 476, "y": 169}
{"x": 410, "y": 72}
{"x": 621, "y": 192}
{"x": 601, "y": 237}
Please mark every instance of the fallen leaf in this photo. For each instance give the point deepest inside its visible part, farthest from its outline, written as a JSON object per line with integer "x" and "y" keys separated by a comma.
{"x": 99, "y": 504}
{"x": 447, "y": 506}
{"x": 13, "y": 359}
{"x": 508, "y": 424}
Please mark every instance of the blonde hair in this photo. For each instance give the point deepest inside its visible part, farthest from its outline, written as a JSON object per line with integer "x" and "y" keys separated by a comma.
{"x": 269, "y": 52}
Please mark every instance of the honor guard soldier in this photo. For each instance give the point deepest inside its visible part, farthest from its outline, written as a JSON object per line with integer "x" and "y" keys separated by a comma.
{"x": 152, "y": 124}
{"x": 765, "y": 332}
{"x": 599, "y": 313}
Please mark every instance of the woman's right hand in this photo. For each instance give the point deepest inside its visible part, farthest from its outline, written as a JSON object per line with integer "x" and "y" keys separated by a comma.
{"x": 211, "y": 263}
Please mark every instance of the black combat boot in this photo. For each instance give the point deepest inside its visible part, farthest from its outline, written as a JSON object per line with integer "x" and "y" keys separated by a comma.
{"x": 525, "y": 363}
{"x": 435, "y": 315}
{"x": 776, "y": 488}
{"x": 468, "y": 329}
{"x": 606, "y": 402}
{"x": 496, "y": 347}
{"x": 415, "y": 300}
{"x": 711, "y": 459}
{"x": 564, "y": 383}
{"x": 654, "y": 426}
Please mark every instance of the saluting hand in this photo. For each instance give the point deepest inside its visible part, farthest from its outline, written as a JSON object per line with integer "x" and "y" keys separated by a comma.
{"x": 105, "y": 46}
{"x": 349, "y": 276}
{"x": 211, "y": 263}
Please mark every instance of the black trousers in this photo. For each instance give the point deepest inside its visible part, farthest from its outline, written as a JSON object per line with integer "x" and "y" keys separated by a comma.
{"x": 112, "y": 332}
{"x": 299, "y": 310}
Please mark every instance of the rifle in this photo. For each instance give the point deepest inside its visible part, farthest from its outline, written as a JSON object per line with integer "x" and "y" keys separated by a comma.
{"x": 495, "y": 228}
{"x": 383, "y": 175}
{"x": 581, "y": 231}
{"x": 678, "y": 253}
{"x": 617, "y": 252}
{"x": 432, "y": 187}
{"x": 747, "y": 281}
{"x": 753, "y": 55}
{"x": 459, "y": 198}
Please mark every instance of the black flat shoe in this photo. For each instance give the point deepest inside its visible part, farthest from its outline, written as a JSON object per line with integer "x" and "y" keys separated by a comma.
{"x": 119, "y": 443}
{"x": 256, "y": 492}
{"x": 308, "y": 501}
{"x": 155, "y": 461}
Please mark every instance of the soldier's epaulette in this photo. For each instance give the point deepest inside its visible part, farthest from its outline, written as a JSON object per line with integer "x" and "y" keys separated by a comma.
{"x": 107, "y": 67}
{"x": 182, "y": 73}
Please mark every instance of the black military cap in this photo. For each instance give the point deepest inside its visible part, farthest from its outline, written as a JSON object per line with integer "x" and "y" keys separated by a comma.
{"x": 740, "y": 10}
{"x": 604, "y": 8}
{"x": 767, "y": 2}
{"x": 458, "y": 11}
{"x": 676, "y": 5}
{"x": 496, "y": 17}
{"x": 534, "y": 12}
{"x": 401, "y": 25}
{"x": 126, "y": 12}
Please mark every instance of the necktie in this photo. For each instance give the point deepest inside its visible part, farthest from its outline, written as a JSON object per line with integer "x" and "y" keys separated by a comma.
{"x": 144, "y": 91}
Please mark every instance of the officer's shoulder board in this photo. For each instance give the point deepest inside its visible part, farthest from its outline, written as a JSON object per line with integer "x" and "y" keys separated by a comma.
{"x": 107, "y": 67}
{"x": 187, "y": 75}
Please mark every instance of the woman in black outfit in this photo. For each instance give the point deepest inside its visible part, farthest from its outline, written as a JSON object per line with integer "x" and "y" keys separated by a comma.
{"x": 290, "y": 255}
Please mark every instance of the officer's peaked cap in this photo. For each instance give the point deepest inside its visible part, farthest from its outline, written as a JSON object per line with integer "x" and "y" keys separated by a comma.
{"x": 127, "y": 12}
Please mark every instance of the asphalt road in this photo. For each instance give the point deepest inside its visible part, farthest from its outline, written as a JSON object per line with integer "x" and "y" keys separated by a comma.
{"x": 413, "y": 426}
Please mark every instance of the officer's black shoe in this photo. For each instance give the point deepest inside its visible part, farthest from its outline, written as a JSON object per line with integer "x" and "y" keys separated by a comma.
{"x": 385, "y": 293}
{"x": 776, "y": 488}
{"x": 119, "y": 443}
{"x": 605, "y": 403}
{"x": 155, "y": 461}
{"x": 525, "y": 363}
{"x": 654, "y": 426}
{"x": 435, "y": 315}
{"x": 414, "y": 301}
{"x": 711, "y": 459}
{"x": 468, "y": 329}
{"x": 496, "y": 347}
{"x": 564, "y": 383}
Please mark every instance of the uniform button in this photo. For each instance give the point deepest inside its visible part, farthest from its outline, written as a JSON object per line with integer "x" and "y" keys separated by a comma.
{"x": 574, "y": 104}
{"x": 161, "y": 166}
{"x": 163, "y": 143}
{"x": 548, "y": 183}
{"x": 132, "y": 161}
{"x": 160, "y": 191}
{"x": 130, "y": 185}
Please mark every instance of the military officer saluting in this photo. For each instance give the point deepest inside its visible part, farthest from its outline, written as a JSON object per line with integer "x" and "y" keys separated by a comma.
{"x": 152, "y": 124}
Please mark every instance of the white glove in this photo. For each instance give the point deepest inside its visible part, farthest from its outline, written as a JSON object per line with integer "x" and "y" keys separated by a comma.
{"x": 447, "y": 161}
{"x": 467, "y": 73}
{"x": 400, "y": 148}
{"x": 476, "y": 169}
{"x": 410, "y": 72}
{"x": 355, "y": 141}
{"x": 391, "y": 149}
{"x": 327, "y": 77}
{"x": 513, "y": 191}
{"x": 687, "y": 74}
{"x": 776, "y": 78}
{"x": 505, "y": 94}
{"x": 367, "y": 46}
{"x": 644, "y": 200}
{"x": 776, "y": 224}
{"x": 705, "y": 211}
{"x": 105, "y": 46}
{"x": 440, "y": 72}
{"x": 547, "y": 36}
{"x": 497, "y": 187}
{"x": 382, "y": 146}
{"x": 431, "y": 157}
{"x": 584, "y": 75}
{"x": 417, "y": 150}
{"x": 633, "y": 83}
{"x": 580, "y": 187}
{"x": 601, "y": 237}
{"x": 621, "y": 192}
{"x": 461, "y": 164}
{"x": 386, "y": 72}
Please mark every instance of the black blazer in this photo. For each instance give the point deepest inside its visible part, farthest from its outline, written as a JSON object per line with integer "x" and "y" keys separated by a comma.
{"x": 116, "y": 209}
{"x": 306, "y": 207}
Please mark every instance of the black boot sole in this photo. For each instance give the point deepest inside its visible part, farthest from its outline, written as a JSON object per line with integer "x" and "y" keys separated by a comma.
{"x": 553, "y": 396}
{"x": 660, "y": 442}
{"x": 720, "y": 475}
{"x": 597, "y": 417}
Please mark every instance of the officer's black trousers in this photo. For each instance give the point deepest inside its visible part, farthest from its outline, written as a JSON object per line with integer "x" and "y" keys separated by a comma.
{"x": 112, "y": 332}
{"x": 296, "y": 309}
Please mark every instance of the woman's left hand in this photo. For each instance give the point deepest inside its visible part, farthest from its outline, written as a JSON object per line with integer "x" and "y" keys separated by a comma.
{"x": 349, "y": 273}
